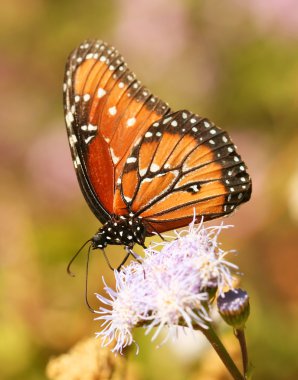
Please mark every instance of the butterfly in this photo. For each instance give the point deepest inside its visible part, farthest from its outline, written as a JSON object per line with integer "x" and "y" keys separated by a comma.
{"x": 143, "y": 168}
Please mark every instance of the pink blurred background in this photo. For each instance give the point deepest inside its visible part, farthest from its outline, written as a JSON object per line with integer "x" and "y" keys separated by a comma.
{"x": 232, "y": 61}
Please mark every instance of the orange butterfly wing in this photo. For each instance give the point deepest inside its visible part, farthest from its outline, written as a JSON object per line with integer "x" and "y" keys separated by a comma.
{"x": 132, "y": 156}
{"x": 106, "y": 111}
{"x": 182, "y": 163}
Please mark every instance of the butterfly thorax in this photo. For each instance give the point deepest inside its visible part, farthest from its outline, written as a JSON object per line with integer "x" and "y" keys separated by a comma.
{"x": 120, "y": 230}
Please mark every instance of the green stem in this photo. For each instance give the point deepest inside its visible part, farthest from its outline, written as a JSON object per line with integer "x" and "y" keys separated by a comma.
{"x": 222, "y": 352}
{"x": 240, "y": 335}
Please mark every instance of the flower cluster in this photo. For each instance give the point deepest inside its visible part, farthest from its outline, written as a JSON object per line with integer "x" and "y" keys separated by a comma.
{"x": 170, "y": 287}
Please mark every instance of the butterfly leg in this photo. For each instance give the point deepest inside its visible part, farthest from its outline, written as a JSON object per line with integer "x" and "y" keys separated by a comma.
{"x": 136, "y": 257}
{"x": 157, "y": 233}
{"x": 160, "y": 235}
{"x": 124, "y": 260}
{"x": 129, "y": 252}
{"x": 133, "y": 254}
{"x": 107, "y": 260}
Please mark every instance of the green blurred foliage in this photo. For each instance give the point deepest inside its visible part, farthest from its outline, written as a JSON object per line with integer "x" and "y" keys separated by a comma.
{"x": 218, "y": 59}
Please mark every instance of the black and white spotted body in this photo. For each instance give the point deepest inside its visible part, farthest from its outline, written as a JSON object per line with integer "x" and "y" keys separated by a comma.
{"x": 124, "y": 230}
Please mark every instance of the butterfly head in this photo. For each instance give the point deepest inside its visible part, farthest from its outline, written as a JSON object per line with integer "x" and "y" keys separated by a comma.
{"x": 123, "y": 230}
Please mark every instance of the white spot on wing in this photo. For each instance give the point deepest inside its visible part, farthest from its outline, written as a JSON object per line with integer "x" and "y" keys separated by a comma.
{"x": 91, "y": 127}
{"x": 131, "y": 160}
{"x": 194, "y": 188}
{"x": 101, "y": 92}
{"x": 72, "y": 140}
{"x": 167, "y": 120}
{"x": 161, "y": 174}
{"x": 112, "y": 111}
{"x": 69, "y": 118}
{"x": 143, "y": 172}
{"x": 154, "y": 168}
{"x": 77, "y": 162}
{"x": 128, "y": 200}
{"x": 131, "y": 121}
{"x": 88, "y": 139}
{"x": 114, "y": 157}
{"x": 147, "y": 180}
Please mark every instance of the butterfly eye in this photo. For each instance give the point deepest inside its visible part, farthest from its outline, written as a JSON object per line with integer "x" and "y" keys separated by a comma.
{"x": 99, "y": 239}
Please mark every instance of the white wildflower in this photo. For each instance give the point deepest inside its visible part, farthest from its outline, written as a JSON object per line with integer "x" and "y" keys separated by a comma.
{"x": 169, "y": 288}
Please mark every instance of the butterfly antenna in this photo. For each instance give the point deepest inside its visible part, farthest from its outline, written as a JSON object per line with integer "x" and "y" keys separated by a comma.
{"x": 86, "y": 281}
{"x": 74, "y": 257}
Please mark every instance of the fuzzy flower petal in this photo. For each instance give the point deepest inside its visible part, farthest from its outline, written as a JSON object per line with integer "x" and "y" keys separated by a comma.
{"x": 168, "y": 289}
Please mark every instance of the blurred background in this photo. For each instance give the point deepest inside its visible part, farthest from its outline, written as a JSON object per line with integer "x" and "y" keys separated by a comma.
{"x": 232, "y": 61}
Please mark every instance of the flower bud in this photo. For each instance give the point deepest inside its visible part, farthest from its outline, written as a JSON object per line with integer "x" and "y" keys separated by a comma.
{"x": 234, "y": 308}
